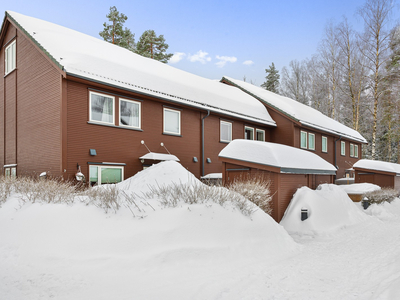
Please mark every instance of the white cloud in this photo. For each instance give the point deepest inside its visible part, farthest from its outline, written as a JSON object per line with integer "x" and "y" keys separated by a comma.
{"x": 224, "y": 59}
{"x": 177, "y": 57}
{"x": 200, "y": 56}
{"x": 248, "y": 62}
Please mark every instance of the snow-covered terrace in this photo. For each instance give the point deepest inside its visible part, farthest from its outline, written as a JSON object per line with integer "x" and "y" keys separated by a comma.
{"x": 90, "y": 58}
{"x": 297, "y": 111}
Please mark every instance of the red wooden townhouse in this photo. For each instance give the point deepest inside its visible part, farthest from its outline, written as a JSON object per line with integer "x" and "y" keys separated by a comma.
{"x": 301, "y": 126}
{"x": 70, "y": 102}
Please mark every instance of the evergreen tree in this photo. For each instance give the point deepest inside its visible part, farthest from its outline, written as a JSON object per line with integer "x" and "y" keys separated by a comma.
{"x": 153, "y": 46}
{"x": 272, "y": 79}
{"x": 115, "y": 32}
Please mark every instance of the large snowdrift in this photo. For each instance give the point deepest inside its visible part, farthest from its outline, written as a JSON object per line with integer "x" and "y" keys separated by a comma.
{"x": 329, "y": 208}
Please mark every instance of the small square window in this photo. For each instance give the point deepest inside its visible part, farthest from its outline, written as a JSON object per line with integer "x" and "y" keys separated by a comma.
{"x": 324, "y": 144}
{"x": 248, "y": 133}
{"x": 343, "y": 148}
{"x": 260, "y": 135}
{"x": 311, "y": 141}
{"x": 172, "y": 121}
{"x": 10, "y": 58}
{"x": 225, "y": 131}
{"x": 129, "y": 113}
{"x": 303, "y": 139}
{"x": 101, "y": 108}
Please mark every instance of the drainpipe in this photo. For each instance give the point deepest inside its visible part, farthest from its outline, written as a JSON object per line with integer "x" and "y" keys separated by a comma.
{"x": 202, "y": 143}
{"x": 335, "y": 155}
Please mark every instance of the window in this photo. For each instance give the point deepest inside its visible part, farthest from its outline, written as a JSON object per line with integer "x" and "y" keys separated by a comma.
{"x": 105, "y": 174}
{"x": 303, "y": 139}
{"x": 10, "y": 58}
{"x": 101, "y": 108}
{"x": 260, "y": 135}
{"x": 129, "y": 113}
{"x": 343, "y": 148}
{"x": 324, "y": 144}
{"x": 311, "y": 141}
{"x": 10, "y": 172}
{"x": 356, "y": 151}
{"x": 351, "y": 150}
{"x": 225, "y": 131}
{"x": 172, "y": 121}
{"x": 248, "y": 133}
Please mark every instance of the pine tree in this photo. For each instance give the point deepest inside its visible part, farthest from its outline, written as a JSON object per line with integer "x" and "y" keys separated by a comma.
{"x": 115, "y": 32}
{"x": 272, "y": 79}
{"x": 153, "y": 46}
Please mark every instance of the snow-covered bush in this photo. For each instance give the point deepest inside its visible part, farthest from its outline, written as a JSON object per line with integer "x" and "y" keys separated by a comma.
{"x": 171, "y": 195}
{"x": 6, "y": 187}
{"x": 106, "y": 197}
{"x": 379, "y": 196}
{"x": 255, "y": 189}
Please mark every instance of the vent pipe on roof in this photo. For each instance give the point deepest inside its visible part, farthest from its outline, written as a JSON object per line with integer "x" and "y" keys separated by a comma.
{"x": 202, "y": 142}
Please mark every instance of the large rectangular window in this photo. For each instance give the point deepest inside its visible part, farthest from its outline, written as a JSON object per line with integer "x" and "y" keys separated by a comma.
{"x": 324, "y": 144}
{"x": 311, "y": 141}
{"x": 342, "y": 148}
{"x": 303, "y": 139}
{"x": 225, "y": 131}
{"x": 260, "y": 135}
{"x": 10, "y": 58}
{"x": 101, "y": 108}
{"x": 105, "y": 174}
{"x": 351, "y": 150}
{"x": 129, "y": 112}
{"x": 172, "y": 121}
{"x": 248, "y": 133}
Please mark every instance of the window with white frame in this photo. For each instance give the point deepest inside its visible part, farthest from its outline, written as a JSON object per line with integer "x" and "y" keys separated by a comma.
{"x": 172, "y": 121}
{"x": 10, "y": 172}
{"x": 103, "y": 174}
{"x": 225, "y": 131}
{"x": 324, "y": 144}
{"x": 311, "y": 141}
{"x": 342, "y": 148}
{"x": 248, "y": 133}
{"x": 351, "y": 150}
{"x": 260, "y": 135}
{"x": 101, "y": 108}
{"x": 129, "y": 113}
{"x": 303, "y": 139}
{"x": 10, "y": 57}
{"x": 356, "y": 151}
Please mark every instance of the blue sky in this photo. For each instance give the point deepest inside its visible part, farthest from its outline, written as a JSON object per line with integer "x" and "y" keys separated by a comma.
{"x": 214, "y": 38}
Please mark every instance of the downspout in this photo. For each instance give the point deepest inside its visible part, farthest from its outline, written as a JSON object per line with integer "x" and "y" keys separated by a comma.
{"x": 202, "y": 143}
{"x": 335, "y": 156}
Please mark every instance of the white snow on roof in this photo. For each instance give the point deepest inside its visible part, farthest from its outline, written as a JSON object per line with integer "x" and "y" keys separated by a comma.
{"x": 305, "y": 114}
{"x": 92, "y": 58}
{"x": 359, "y": 188}
{"x": 377, "y": 165}
{"x": 159, "y": 156}
{"x": 289, "y": 159}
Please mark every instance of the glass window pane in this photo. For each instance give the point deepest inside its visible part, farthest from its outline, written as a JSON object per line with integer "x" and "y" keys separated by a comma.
{"x": 93, "y": 173}
{"x": 102, "y": 108}
{"x": 342, "y": 148}
{"x": 351, "y": 150}
{"x": 303, "y": 139}
{"x": 129, "y": 112}
{"x": 311, "y": 141}
{"x": 324, "y": 144}
{"x": 171, "y": 121}
{"x": 260, "y": 135}
{"x": 111, "y": 175}
{"x": 355, "y": 150}
{"x": 226, "y": 131}
{"x": 249, "y": 133}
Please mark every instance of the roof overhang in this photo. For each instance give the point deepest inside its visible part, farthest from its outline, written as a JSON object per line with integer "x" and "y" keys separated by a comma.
{"x": 159, "y": 156}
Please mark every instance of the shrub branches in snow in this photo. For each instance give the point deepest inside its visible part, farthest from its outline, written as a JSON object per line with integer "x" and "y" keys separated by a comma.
{"x": 6, "y": 188}
{"x": 379, "y": 196}
{"x": 256, "y": 189}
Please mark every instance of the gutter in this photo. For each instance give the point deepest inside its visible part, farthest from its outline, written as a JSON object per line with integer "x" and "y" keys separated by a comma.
{"x": 202, "y": 143}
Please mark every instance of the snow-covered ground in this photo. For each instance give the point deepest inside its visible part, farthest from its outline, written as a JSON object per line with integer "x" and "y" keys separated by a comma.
{"x": 200, "y": 251}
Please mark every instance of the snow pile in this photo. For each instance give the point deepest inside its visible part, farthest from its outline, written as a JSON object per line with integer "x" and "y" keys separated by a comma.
{"x": 329, "y": 208}
{"x": 360, "y": 188}
{"x": 377, "y": 165}
{"x": 289, "y": 159}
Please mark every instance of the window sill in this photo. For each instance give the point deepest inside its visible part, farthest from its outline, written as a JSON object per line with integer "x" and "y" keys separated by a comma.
{"x": 224, "y": 142}
{"x": 114, "y": 126}
{"x": 172, "y": 134}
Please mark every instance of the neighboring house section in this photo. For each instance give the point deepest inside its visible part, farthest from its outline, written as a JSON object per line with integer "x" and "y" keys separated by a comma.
{"x": 301, "y": 126}
{"x": 70, "y": 102}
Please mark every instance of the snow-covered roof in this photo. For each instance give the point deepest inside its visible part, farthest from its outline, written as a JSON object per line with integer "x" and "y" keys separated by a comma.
{"x": 84, "y": 56}
{"x": 302, "y": 113}
{"x": 377, "y": 165}
{"x": 288, "y": 159}
{"x": 159, "y": 156}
